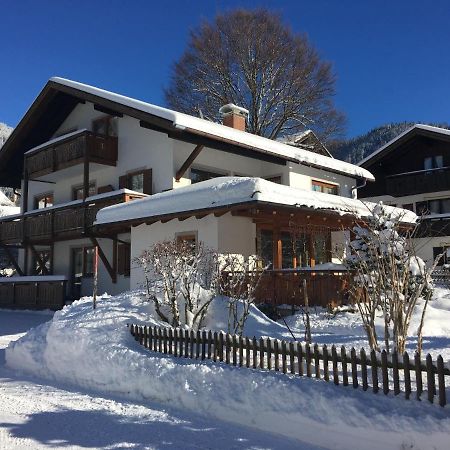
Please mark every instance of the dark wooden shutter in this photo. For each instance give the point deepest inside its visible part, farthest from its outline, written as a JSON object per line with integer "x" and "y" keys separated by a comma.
{"x": 123, "y": 182}
{"x": 123, "y": 259}
{"x": 148, "y": 181}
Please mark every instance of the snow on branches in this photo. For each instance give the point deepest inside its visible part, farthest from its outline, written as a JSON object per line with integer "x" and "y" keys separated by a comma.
{"x": 389, "y": 277}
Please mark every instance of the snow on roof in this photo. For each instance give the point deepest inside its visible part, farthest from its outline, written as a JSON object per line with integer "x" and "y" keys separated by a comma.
{"x": 231, "y": 135}
{"x": 418, "y": 126}
{"x": 225, "y": 191}
{"x": 55, "y": 140}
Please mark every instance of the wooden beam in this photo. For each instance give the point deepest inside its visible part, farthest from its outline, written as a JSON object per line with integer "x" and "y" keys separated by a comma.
{"x": 200, "y": 216}
{"x": 108, "y": 267}
{"x": 190, "y": 159}
{"x": 13, "y": 260}
{"x": 220, "y": 213}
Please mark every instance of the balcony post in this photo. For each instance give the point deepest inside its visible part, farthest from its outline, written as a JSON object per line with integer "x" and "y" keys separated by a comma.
{"x": 25, "y": 187}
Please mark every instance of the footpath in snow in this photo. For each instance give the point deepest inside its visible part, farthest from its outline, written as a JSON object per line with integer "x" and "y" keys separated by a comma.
{"x": 94, "y": 351}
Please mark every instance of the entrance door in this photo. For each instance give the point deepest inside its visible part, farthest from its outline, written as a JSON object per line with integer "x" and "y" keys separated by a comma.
{"x": 77, "y": 272}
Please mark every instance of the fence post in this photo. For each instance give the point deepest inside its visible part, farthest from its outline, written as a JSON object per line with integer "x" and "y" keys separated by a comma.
{"x": 261, "y": 353}
{"x": 227, "y": 348}
{"x": 197, "y": 344}
{"x": 191, "y": 344}
{"x": 441, "y": 381}
{"x": 241, "y": 351}
{"x": 210, "y": 343}
{"x": 300, "y": 358}
{"x": 395, "y": 373}
{"x": 326, "y": 371}
{"x": 292, "y": 357}
{"x": 221, "y": 344}
{"x": 384, "y": 372}
{"x": 276, "y": 354}
{"x": 308, "y": 359}
{"x": 364, "y": 369}
{"x": 269, "y": 354}
{"x": 373, "y": 357}
{"x": 407, "y": 375}
{"x": 234, "y": 346}
{"x": 255, "y": 352}
{"x": 354, "y": 367}
{"x": 283, "y": 356}
{"x": 431, "y": 388}
{"x": 175, "y": 342}
{"x": 203, "y": 344}
{"x": 164, "y": 336}
{"x": 216, "y": 346}
{"x": 316, "y": 361}
{"x": 418, "y": 369}
{"x": 344, "y": 366}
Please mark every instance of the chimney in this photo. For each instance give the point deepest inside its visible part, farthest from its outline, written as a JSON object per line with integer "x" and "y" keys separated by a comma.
{"x": 234, "y": 116}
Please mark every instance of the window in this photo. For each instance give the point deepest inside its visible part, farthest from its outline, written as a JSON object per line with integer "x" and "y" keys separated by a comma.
{"x": 198, "y": 175}
{"x": 106, "y": 126}
{"x": 139, "y": 181}
{"x": 187, "y": 238}
{"x": 44, "y": 256}
{"x": 436, "y": 206}
{"x": 78, "y": 191}
{"x": 123, "y": 259}
{"x": 265, "y": 247}
{"x": 43, "y": 201}
{"x": 433, "y": 162}
{"x": 326, "y": 188}
{"x": 83, "y": 261}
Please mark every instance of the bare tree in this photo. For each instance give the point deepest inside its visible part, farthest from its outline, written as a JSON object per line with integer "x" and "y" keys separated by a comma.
{"x": 239, "y": 280}
{"x": 251, "y": 58}
{"x": 181, "y": 280}
{"x": 389, "y": 277}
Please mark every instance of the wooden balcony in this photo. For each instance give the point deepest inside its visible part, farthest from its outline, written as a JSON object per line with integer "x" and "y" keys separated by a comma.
{"x": 70, "y": 221}
{"x": 418, "y": 182}
{"x": 70, "y": 150}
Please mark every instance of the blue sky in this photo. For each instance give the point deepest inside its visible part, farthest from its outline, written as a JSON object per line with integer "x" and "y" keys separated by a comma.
{"x": 390, "y": 57}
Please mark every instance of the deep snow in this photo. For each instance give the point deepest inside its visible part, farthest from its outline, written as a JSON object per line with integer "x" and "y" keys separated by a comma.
{"x": 93, "y": 350}
{"x": 40, "y": 414}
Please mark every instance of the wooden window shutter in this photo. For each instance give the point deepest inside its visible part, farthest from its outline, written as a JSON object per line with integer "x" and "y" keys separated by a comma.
{"x": 148, "y": 181}
{"x": 123, "y": 182}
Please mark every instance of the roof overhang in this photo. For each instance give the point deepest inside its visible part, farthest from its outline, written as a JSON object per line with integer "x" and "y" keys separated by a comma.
{"x": 411, "y": 133}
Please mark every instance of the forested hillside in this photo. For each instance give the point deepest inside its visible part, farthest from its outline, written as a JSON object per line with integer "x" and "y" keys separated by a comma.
{"x": 356, "y": 149}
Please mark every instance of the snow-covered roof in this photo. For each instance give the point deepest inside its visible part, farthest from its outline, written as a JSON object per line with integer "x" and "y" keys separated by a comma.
{"x": 216, "y": 131}
{"x": 417, "y": 126}
{"x": 228, "y": 191}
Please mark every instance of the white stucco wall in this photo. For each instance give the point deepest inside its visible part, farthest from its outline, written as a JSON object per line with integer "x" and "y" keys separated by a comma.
{"x": 424, "y": 247}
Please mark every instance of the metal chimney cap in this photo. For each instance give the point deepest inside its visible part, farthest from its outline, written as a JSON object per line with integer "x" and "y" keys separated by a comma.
{"x": 231, "y": 108}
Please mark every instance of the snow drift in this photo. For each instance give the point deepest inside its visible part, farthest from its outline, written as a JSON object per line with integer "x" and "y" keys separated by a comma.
{"x": 94, "y": 350}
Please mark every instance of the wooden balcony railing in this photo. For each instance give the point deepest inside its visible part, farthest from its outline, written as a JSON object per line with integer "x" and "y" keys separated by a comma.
{"x": 418, "y": 182}
{"x": 69, "y": 221}
{"x": 70, "y": 151}
{"x": 285, "y": 287}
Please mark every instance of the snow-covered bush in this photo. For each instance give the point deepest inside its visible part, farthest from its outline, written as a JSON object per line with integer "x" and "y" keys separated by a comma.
{"x": 389, "y": 277}
{"x": 239, "y": 280}
{"x": 183, "y": 278}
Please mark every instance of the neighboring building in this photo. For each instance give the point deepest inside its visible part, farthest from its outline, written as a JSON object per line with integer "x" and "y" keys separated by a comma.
{"x": 413, "y": 171}
{"x": 79, "y": 149}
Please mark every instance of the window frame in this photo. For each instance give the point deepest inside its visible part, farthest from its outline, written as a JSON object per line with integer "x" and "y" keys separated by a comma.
{"x": 45, "y": 195}
{"x": 211, "y": 170}
{"x": 84, "y": 250}
{"x": 78, "y": 187}
{"x": 324, "y": 184}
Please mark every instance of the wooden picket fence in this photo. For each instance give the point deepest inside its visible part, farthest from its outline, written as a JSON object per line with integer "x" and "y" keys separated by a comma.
{"x": 395, "y": 373}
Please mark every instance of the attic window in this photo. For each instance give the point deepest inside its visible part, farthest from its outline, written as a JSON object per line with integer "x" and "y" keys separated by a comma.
{"x": 433, "y": 162}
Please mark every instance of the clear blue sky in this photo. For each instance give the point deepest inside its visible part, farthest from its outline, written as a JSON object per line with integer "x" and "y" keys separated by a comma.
{"x": 391, "y": 57}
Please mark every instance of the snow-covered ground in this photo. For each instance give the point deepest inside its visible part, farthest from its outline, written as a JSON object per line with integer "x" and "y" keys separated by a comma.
{"x": 37, "y": 414}
{"x": 92, "y": 351}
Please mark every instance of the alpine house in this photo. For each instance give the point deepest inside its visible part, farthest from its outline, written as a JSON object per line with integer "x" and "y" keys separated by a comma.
{"x": 101, "y": 172}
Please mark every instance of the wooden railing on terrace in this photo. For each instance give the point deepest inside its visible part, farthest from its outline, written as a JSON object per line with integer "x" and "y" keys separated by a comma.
{"x": 65, "y": 222}
{"x": 71, "y": 151}
{"x": 285, "y": 286}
